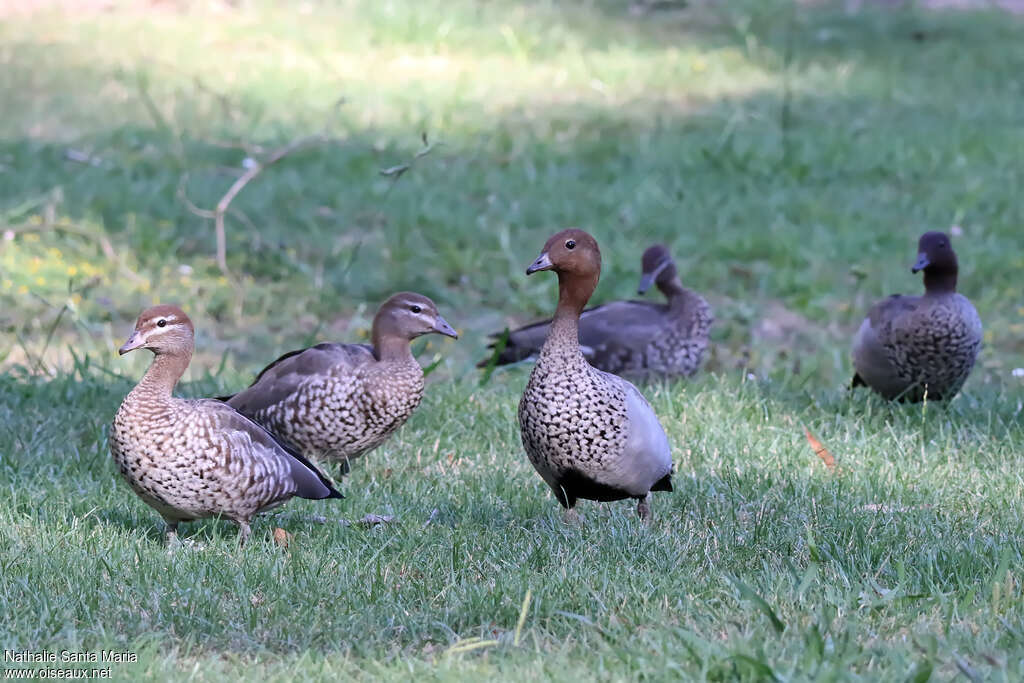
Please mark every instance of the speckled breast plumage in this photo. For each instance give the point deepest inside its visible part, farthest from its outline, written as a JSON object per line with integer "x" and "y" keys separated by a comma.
{"x": 177, "y": 459}
{"x": 342, "y": 415}
{"x": 571, "y": 417}
{"x": 935, "y": 346}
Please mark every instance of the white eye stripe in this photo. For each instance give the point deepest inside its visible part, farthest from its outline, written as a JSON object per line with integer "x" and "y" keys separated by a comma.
{"x": 410, "y": 304}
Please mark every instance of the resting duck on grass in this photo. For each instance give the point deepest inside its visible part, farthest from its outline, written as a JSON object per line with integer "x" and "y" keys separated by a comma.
{"x": 339, "y": 401}
{"x": 912, "y": 347}
{"x": 588, "y": 433}
{"x": 195, "y": 458}
{"x": 632, "y": 338}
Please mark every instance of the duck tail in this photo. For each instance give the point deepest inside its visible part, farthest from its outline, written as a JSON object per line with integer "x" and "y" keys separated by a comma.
{"x": 663, "y": 484}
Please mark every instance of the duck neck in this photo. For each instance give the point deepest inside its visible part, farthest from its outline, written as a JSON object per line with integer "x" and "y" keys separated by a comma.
{"x": 573, "y": 293}
{"x": 674, "y": 291}
{"x": 940, "y": 282}
{"x": 163, "y": 374}
{"x": 391, "y": 348}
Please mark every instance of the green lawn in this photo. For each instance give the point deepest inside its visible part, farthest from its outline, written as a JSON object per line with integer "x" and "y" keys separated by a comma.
{"x": 789, "y": 155}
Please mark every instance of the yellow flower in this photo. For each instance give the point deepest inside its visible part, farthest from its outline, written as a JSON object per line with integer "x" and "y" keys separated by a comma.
{"x": 23, "y": 290}
{"x": 72, "y": 271}
{"x": 40, "y": 280}
{"x": 55, "y": 253}
{"x": 76, "y": 298}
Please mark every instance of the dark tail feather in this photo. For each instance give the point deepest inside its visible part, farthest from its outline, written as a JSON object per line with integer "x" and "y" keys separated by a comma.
{"x": 223, "y": 399}
{"x": 498, "y": 348}
{"x": 857, "y": 381}
{"x": 508, "y": 355}
{"x": 663, "y": 484}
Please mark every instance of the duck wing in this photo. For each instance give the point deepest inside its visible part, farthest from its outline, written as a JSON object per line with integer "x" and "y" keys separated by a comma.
{"x": 617, "y": 339}
{"x": 281, "y": 378}
{"x": 606, "y": 331}
{"x": 646, "y": 459}
{"x": 250, "y": 441}
{"x": 870, "y": 357}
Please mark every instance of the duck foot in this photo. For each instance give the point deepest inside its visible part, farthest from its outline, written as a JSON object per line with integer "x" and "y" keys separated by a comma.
{"x": 176, "y": 542}
{"x": 572, "y": 517}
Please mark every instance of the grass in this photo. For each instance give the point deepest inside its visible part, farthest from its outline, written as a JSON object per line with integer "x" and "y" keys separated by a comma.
{"x": 790, "y": 156}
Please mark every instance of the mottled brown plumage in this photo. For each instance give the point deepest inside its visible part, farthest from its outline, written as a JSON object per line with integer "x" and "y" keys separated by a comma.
{"x": 912, "y": 347}
{"x": 632, "y": 338}
{"x": 339, "y": 401}
{"x": 195, "y": 458}
{"x": 588, "y": 433}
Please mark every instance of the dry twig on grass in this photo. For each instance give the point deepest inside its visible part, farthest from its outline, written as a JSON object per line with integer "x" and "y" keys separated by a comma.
{"x": 254, "y": 169}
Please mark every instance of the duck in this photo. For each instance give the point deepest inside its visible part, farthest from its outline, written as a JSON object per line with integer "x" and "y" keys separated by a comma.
{"x": 912, "y": 348}
{"x": 191, "y": 459}
{"x": 638, "y": 339}
{"x": 589, "y": 434}
{"x": 340, "y": 401}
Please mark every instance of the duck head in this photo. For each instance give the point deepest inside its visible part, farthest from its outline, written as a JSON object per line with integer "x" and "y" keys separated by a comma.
{"x": 936, "y": 258}
{"x": 574, "y": 255}
{"x": 163, "y": 329}
{"x": 405, "y": 316}
{"x": 658, "y": 267}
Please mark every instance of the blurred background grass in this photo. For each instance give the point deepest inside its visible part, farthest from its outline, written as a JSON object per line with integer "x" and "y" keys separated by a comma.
{"x": 789, "y": 154}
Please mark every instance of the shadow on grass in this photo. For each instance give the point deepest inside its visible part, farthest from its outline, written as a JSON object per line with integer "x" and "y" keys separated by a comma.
{"x": 796, "y": 196}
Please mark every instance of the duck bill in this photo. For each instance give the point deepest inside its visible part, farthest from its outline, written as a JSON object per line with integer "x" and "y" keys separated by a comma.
{"x": 647, "y": 279}
{"x": 135, "y": 341}
{"x": 441, "y": 326}
{"x": 921, "y": 264}
{"x": 543, "y": 262}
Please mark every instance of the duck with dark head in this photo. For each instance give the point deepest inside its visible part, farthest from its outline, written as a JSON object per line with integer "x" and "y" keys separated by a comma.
{"x": 914, "y": 347}
{"x": 588, "y": 433}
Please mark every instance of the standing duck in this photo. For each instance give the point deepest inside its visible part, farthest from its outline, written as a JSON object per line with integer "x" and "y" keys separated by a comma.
{"x": 339, "y": 401}
{"x": 912, "y": 347}
{"x": 588, "y": 433}
{"x": 632, "y": 338}
{"x": 195, "y": 458}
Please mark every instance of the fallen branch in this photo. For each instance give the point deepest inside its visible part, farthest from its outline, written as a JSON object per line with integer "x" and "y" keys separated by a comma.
{"x": 254, "y": 169}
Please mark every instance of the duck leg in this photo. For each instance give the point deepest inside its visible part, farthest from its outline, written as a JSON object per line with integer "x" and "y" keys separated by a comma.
{"x": 572, "y": 517}
{"x": 243, "y": 532}
{"x": 643, "y": 507}
{"x": 172, "y": 533}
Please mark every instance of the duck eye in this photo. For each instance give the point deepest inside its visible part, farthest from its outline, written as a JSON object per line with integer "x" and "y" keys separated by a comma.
{"x": 416, "y": 308}
{"x": 571, "y": 244}
{"x": 161, "y": 323}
